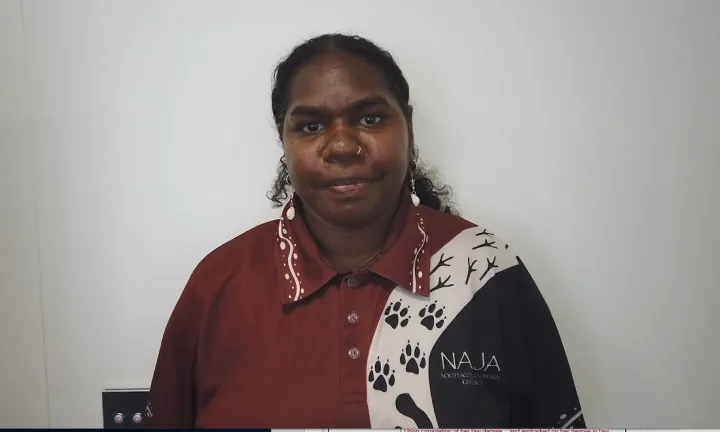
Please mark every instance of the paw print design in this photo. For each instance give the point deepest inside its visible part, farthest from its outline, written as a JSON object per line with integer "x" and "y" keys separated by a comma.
{"x": 412, "y": 359}
{"x": 381, "y": 376}
{"x": 396, "y": 314}
{"x": 432, "y": 317}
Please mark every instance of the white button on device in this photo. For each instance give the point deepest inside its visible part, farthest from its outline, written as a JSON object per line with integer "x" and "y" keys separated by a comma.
{"x": 118, "y": 419}
{"x": 137, "y": 418}
{"x": 354, "y": 353}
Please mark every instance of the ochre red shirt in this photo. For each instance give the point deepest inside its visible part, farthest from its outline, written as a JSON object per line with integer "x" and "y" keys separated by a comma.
{"x": 446, "y": 329}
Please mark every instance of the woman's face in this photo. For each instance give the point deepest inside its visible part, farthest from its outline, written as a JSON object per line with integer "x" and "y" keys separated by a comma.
{"x": 338, "y": 103}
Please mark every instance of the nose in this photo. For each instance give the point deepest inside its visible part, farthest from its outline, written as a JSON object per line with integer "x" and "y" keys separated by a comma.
{"x": 343, "y": 146}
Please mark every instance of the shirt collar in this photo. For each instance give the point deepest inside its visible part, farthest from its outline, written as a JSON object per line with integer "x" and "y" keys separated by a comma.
{"x": 301, "y": 271}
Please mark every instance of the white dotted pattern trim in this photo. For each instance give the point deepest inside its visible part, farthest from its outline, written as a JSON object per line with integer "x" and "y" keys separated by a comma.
{"x": 290, "y": 255}
{"x": 415, "y": 259}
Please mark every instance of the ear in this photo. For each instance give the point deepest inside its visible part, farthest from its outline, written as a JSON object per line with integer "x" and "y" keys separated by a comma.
{"x": 412, "y": 149}
{"x": 409, "y": 118}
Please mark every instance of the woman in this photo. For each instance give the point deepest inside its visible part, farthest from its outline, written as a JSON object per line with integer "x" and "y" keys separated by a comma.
{"x": 368, "y": 303}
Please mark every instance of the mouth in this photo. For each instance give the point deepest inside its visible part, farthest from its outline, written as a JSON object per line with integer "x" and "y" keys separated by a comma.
{"x": 348, "y": 189}
{"x": 349, "y": 186}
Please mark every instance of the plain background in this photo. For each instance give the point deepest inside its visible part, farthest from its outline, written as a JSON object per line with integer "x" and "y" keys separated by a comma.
{"x": 136, "y": 136}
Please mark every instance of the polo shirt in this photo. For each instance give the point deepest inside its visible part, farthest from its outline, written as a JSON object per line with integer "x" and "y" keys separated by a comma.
{"x": 445, "y": 330}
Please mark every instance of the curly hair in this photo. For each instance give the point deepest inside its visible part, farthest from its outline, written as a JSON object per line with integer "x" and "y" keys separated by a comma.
{"x": 428, "y": 188}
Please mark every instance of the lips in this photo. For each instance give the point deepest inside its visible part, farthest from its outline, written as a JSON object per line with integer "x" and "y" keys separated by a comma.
{"x": 349, "y": 188}
{"x": 349, "y": 185}
{"x": 349, "y": 180}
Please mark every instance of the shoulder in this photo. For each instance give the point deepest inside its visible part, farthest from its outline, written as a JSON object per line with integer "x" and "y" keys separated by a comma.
{"x": 476, "y": 257}
{"x": 212, "y": 273}
{"x": 474, "y": 244}
{"x": 232, "y": 256}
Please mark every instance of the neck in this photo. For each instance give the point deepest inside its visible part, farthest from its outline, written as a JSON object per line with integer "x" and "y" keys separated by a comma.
{"x": 346, "y": 248}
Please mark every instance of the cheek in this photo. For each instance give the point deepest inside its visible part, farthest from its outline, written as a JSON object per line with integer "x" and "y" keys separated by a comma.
{"x": 299, "y": 157}
{"x": 391, "y": 149}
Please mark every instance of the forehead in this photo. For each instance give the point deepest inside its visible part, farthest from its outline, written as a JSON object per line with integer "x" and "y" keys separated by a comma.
{"x": 335, "y": 79}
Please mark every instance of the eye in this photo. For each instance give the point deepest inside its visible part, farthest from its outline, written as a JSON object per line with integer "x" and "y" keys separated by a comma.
{"x": 312, "y": 128}
{"x": 371, "y": 120}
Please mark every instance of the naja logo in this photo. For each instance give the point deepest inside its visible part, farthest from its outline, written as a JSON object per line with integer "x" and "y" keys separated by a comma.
{"x": 469, "y": 370}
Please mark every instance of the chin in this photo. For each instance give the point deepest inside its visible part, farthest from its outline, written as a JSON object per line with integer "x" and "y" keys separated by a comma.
{"x": 354, "y": 212}
{"x": 356, "y": 208}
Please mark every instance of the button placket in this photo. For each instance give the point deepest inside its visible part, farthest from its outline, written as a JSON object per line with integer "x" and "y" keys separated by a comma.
{"x": 353, "y": 373}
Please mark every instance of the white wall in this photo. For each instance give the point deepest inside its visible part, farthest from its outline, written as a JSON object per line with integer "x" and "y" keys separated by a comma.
{"x": 583, "y": 132}
{"x": 23, "y": 390}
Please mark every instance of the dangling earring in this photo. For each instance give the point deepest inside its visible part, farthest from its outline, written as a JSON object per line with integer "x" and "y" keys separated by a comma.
{"x": 413, "y": 196}
{"x": 290, "y": 213}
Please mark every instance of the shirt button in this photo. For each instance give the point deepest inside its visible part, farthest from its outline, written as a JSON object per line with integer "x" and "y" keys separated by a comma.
{"x": 352, "y": 282}
{"x": 354, "y": 353}
{"x": 353, "y": 317}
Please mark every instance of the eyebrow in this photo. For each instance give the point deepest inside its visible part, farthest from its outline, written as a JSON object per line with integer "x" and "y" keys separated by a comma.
{"x": 357, "y": 105}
